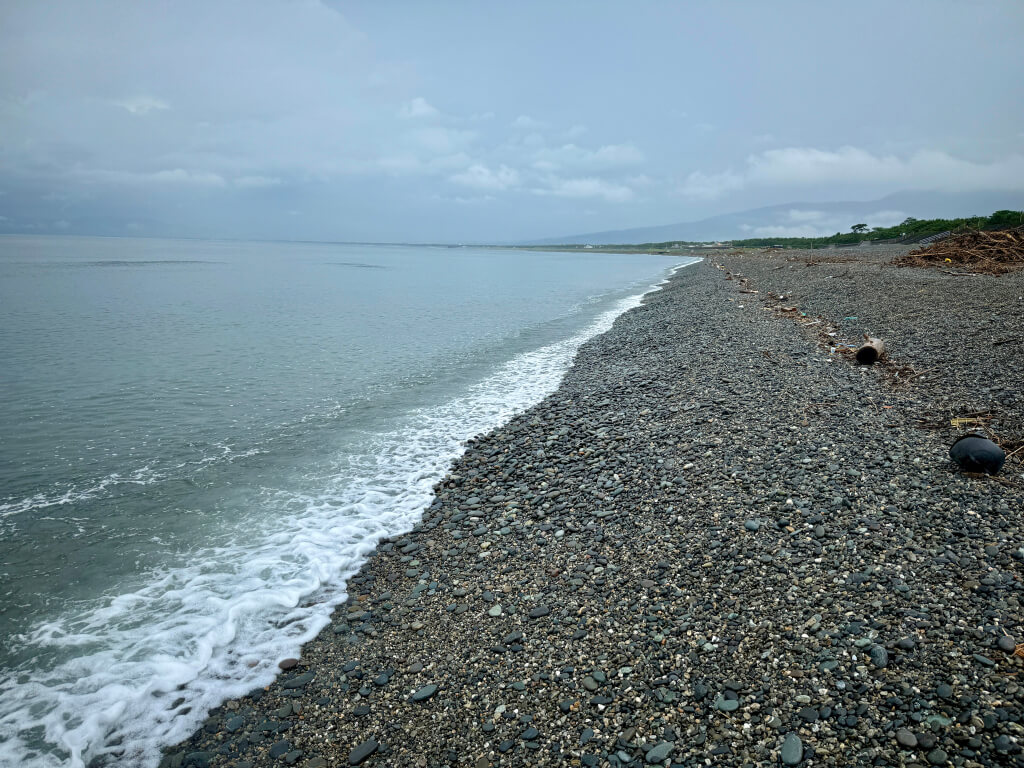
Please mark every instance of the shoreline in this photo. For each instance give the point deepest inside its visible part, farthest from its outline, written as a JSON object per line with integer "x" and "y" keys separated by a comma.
{"x": 687, "y": 551}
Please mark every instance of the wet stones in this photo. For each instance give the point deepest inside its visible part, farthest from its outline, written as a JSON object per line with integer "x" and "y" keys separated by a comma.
{"x": 792, "y": 752}
{"x": 362, "y": 752}
{"x": 906, "y": 739}
{"x": 299, "y": 681}
{"x": 424, "y": 693}
{"x": 659, "y": 753}
{"x": 879, "y": 656}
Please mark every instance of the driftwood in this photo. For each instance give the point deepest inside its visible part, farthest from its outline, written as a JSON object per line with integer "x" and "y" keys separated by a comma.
{"x": 989, "y": 253}
{"x": 870, "y": 350}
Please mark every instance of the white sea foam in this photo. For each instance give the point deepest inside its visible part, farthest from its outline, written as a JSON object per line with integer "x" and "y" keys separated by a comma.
{"x": 147, "y": 665}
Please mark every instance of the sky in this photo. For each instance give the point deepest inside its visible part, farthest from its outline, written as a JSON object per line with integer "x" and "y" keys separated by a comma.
{"x": 493, "y": 121}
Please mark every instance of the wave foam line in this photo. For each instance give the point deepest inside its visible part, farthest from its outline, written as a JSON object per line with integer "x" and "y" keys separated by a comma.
{"x": 148, "y": 665}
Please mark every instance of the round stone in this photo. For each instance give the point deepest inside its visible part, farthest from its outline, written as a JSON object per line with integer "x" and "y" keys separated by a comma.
{"x": 906, "y": 739}
{"x": 727, "y": 705}
{"x": 792, "y": 750}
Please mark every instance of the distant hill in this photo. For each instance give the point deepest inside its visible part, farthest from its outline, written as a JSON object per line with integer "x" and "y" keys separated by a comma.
{"x": 803, "y": 219}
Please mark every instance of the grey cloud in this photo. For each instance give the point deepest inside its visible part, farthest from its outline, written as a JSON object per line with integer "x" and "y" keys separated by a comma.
{"x": 807, "y": 166}
{"x": 218, "y": 119}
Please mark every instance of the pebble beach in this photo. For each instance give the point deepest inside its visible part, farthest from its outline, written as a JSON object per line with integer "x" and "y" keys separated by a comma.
{"x": 719, "y": 542}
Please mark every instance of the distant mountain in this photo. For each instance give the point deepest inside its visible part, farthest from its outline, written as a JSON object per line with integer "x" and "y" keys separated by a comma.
{"x": 802, "y": 219}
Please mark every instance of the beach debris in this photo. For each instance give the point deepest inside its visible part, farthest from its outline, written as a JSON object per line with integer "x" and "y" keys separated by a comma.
{"x": 991, "y": 253}
{"x": 870, "y": 351}
{"x": 976, "y": 453}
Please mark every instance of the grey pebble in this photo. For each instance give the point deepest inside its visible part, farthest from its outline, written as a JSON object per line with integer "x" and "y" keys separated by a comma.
{"x": 792, "y": 750}
{"x": 363, "y": 751}
{"x": 424, "y": 693}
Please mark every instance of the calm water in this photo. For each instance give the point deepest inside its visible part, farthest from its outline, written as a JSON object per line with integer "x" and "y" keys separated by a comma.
{"x": 199, "y": 441}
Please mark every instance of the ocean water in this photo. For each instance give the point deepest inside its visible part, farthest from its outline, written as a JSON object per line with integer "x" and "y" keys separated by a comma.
{"x": 200, "y": 441}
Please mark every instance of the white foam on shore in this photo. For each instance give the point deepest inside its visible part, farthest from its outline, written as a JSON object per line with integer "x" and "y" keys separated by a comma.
{"x": 148, "y": 665}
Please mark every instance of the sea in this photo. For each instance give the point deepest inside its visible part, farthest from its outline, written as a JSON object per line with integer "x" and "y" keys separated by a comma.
{"x": 201, "y": 440}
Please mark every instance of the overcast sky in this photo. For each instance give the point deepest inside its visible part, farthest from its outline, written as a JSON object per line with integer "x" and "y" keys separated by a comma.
{"x": 492, "y": 121}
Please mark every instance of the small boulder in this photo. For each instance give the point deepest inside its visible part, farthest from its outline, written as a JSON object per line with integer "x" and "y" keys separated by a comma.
{"x": 974, "y": 453}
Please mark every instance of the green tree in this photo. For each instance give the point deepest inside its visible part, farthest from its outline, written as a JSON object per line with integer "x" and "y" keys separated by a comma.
{"x": 858, "y": 228}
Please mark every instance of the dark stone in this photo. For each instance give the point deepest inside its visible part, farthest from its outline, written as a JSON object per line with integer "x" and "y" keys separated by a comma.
{"x": 363, "y": 751}
{"x": 879, "y": 656}
{"x": 540, "y": 610}
{"x": 424, "y": 693}
{"x": 810, "y": 714}
{"x": 299, "y": 680}
{"x": 659, "y": 753}
{"x": 280, "y": 748}
{"x": 974, "y": 453}
{"x": 906, "y": 739}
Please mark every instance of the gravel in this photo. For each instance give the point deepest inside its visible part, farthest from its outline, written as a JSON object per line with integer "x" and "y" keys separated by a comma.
{"x": 643, "y": 619}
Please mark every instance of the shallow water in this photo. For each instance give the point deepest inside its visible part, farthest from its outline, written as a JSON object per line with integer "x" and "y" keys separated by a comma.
{"x": 202, "y": 440}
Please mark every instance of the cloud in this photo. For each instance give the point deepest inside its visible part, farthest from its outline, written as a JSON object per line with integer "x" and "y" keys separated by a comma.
{"x": 711, "y": 186}
{"x": 480, "y": 176}
{"x": 794, "y": 230}
{"x": 805, "y": 166}
{"x": 193, "y": 178}
{"x": 169, "y": 177}
{"x": 312, "y": 108}
{"x": 441, "y": 140}
{"x": 884, "y": 218}
{"x": 418, "y": 107}
{"x": 409, "y": 163}
{"x": 143, "y": 105}
{"x": 797, "y": 215}
{"x": 586, "y": 187}
{"x": 572, "y": 156}
{"x": 525, "y": 121}
{"x": 811, "y": 223}
{"x": 256, "y": 182}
